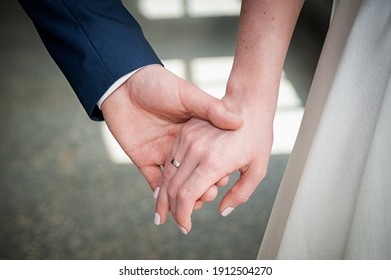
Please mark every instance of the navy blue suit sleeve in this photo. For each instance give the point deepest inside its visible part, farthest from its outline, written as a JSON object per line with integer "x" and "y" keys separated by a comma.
{"x": 94, "y": 43}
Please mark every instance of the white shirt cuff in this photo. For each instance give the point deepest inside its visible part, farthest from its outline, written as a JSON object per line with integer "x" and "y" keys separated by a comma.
{"x": 116, "y": 85}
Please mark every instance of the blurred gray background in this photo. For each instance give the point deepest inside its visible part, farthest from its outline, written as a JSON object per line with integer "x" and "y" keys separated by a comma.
{"x": 66, "y": 192}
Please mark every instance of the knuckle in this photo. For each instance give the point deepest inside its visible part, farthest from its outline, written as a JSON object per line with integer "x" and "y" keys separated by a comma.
{"x": 184, "y": 194}
{"x": 197, "y": 148}
{"x": 171, "y": 192}
{"x": 242, "y": 199}
{"x": 212, "y": 160}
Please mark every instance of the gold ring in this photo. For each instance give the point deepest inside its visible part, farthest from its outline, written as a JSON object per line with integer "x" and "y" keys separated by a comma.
{"x": 175, "y": 163}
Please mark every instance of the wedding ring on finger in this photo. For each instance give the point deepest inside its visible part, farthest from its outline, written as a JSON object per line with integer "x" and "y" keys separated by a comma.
{"x": 175, "y": 163}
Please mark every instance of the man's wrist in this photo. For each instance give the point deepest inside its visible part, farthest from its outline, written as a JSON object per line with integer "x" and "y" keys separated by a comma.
{"x": 116, "y": 85}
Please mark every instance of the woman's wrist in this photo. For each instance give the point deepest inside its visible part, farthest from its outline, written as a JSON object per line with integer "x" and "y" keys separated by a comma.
{"x": 255, "y": 98}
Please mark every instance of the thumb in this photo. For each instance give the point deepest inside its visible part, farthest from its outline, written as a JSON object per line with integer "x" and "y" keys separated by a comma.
{"x": 202, "y": 105}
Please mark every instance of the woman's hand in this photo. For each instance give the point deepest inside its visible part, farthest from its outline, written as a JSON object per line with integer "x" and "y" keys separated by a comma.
{"x": 208, "y": 155}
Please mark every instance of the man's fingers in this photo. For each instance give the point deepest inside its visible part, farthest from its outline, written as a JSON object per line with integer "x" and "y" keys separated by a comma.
{"x": 198, "y": 205}
{"x": 152, "y": 174}
{"x": 223, "y": 181}
{"x": 210, "y": 194}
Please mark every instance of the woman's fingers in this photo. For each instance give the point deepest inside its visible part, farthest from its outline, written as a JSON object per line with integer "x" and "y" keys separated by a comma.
{"x": 192, "y": 190}
{"x": 244, "y": 187}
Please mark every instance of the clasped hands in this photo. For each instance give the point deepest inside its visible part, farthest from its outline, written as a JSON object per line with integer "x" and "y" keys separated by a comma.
{"x": 156, "y": 117}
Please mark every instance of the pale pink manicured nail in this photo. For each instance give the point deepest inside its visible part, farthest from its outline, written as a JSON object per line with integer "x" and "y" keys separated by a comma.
{"x": 227, "y": 211}
{"x": 156, "y": 193}
{"x": 183, "y": 230}
{"x": 156, "y": 220}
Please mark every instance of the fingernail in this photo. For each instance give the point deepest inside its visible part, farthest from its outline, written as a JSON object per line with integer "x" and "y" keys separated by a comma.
{"x": 183, "y": 230}
{"x": 156, "y": 220}
{"x": 156, "y": 193}
{"x": 227, "y": 211}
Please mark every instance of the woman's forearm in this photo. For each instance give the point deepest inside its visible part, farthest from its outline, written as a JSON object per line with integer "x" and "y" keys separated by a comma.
{"x": 265, "y": 31}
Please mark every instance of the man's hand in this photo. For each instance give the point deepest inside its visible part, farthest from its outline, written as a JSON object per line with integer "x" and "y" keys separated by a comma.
{"x": 147, "y": 111}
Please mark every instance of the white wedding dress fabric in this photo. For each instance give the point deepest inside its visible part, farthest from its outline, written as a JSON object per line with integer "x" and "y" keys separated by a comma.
{"x": 334, "y": 201}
